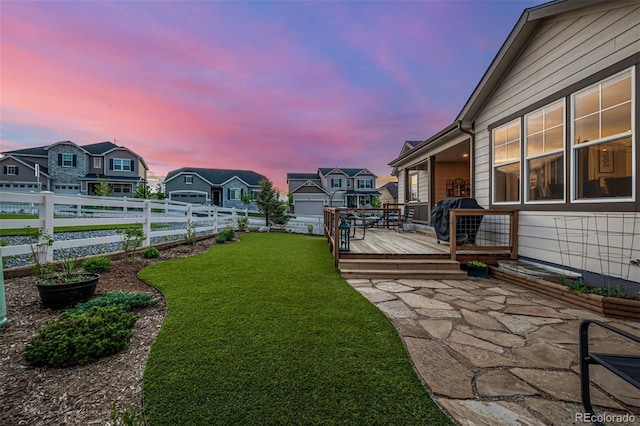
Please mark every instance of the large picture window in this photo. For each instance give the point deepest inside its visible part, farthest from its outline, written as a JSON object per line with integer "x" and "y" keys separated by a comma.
{"x": 506, "y": 162}
{"x": 602, "y": 137}
{"x": 544, "y": 146}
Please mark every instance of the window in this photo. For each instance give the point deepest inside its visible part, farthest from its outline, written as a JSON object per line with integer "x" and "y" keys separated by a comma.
{"x": 506, "y": 162}
{"x": 11, "y": 170}
{"x": 336, "y": 182}
{"x": 188, "y": 179}
{"x": 254, "y": 194}
{"x": 97, "y": 162}
{"x": 413, "y": 186}
{"x": 602, "y": 147}
{"x": 67, "y": 160}
{"x": 544, "y": 146}
{"x": 234, "y": 194}
{"x": 365, "y": 183}
{"x": 122, "y": 164}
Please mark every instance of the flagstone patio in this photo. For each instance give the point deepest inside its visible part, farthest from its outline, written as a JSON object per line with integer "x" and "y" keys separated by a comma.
{"x": 493, "y": 353}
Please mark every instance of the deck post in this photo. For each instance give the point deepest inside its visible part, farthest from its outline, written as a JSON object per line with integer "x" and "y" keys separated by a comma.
{"x": 336, "y": 249}
{"x": 514, "y": 235}
{"x": 452, "y": 233}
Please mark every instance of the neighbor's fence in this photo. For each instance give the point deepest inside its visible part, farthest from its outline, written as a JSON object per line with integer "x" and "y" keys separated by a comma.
{"x": 58, "y": 210}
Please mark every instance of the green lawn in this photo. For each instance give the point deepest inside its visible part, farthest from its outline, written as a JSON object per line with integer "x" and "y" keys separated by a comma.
{"x": 266, "y": 332}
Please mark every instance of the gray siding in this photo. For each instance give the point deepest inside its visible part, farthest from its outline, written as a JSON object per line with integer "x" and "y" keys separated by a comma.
{"x": 563, "y": 51}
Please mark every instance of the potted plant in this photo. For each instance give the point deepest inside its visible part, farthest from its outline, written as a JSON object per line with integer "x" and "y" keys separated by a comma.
{"x": 475, "y": 268}
{"x": 68, "y": 288}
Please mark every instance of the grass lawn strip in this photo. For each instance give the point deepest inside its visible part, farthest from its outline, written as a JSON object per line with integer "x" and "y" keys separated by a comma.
{"x": 266, "y": 331}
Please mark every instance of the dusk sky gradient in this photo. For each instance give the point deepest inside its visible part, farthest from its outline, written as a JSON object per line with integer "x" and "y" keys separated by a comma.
{"x": 274, "y": 87}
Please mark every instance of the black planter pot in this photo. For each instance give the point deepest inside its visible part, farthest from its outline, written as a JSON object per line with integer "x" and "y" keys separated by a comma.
{"x": 477, "y": 271}
{"x": 57, "y": 296}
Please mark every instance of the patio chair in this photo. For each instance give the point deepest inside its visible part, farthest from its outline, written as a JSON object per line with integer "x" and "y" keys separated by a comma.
{"x": 407, "y": 220}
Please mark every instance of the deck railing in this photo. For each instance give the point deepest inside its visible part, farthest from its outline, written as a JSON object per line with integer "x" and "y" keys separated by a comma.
{"x": 389, "y": 217}
{"x": 481, "y": 232}
{"x": 494, "y": 232}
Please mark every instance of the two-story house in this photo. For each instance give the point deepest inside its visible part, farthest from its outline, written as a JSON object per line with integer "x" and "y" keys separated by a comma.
{"x": 68, "y": 168}
{"x": 220, "y": 187}
{"x": 335, "y": 187}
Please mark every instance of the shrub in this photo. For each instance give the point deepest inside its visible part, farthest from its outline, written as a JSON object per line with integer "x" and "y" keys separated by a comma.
{"x": 309, "y": 229}
{"x": 242, "y": 223}
{"x": 97, "y": 265}
{"x": 190, "y": 237}
{"x": 150, "y": 253}
{"x": 81, "y": 337}
{"x": 132, "y": 238}
{"x": 117, "y": 299}
{"x": 228, "y": 234}
{"x": 221, "y": 239}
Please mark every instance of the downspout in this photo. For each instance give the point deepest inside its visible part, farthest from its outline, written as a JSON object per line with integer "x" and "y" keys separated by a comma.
{"x": 472, "y": 136}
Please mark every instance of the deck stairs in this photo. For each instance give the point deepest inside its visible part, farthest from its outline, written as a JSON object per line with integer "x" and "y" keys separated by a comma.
{"x": 401, "y": 268}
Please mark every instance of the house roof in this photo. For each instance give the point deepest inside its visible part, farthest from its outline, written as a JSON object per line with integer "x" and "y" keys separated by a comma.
{"x": 100, "y": 148}
{"x": 219, "y": 176}
{"x": 512, "y": 48}
{"x": 39, "y": 151}
{"x": 305, "y": 176}
{"x": 501, "y": 64}
{"x": 392, "y": 188}
{"x": 349, "y": 172}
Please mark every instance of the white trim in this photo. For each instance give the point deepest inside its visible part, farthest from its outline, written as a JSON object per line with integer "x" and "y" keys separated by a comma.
{"x": 601, "y": 141}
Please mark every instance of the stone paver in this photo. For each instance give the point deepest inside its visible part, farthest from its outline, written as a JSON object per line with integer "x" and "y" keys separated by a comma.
{"x": 493, "y": 353}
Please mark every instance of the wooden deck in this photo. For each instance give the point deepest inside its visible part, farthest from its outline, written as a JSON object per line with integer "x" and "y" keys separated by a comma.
{"x": 388, "y": 241}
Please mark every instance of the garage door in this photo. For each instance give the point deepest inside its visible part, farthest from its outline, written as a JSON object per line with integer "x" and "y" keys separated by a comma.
{"x": 308, "y": 207}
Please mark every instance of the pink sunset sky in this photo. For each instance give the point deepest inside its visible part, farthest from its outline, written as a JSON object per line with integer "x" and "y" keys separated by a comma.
{"x": 274, "y": 87}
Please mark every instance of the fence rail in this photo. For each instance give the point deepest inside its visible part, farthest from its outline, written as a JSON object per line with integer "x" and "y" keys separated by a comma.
{"x": 58, "y": 211}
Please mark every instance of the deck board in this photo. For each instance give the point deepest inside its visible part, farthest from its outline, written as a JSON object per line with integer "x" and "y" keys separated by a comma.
{"x": 387, "y": 241}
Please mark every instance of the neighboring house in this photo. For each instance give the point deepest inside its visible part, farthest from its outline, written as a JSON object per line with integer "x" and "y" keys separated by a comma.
{"x": 220, "y": 187}
{"x": 550, "y": 130}
{"x": 336, "y": 187}
{"x": 388, "y": 193}
{"x": 67, "y": 168}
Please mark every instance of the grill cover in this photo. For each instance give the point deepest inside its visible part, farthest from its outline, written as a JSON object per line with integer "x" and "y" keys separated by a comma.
{"x": 466, "y": 226}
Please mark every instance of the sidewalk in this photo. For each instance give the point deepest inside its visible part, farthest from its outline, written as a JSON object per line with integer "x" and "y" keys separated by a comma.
{"x": 493, "y": 353}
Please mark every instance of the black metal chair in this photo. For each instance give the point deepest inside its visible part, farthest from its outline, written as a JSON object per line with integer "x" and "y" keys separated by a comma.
{"x": 627, "y": 367}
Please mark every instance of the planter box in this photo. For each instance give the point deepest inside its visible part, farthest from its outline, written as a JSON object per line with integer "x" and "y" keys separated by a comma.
{"x": 477, "y": 271}
{"x": 58, "y": 296}
{"x": 607, "y": 306}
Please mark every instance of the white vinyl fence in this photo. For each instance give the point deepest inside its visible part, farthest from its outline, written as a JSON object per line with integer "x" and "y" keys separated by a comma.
{"x": 55, "y": 210}
{"x": 59, "y": 210}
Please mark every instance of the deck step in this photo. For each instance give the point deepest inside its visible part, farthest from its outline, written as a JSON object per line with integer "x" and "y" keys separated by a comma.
{"x": 415, "y": 264}
{"x": 434, "y": 269}
{"x": 418, "y": 274}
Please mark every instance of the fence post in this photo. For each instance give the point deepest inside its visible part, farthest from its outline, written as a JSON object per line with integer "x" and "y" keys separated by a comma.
{"x": 78, "y": 210}
{"x": 215, "y": 219}
{"x": 45, "y": 214}
{"x": 189, "y": 216}
{"x": 234, "y": 218}
{"x": 146, "y": 212}
{"x": 3, "y": 303}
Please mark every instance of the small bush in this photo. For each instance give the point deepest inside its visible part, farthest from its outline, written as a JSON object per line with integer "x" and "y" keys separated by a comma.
{"x": 228, "y": 234}
{"x": 117, "y": 299}
{"x": 97, "y": 265}
{"x": 150, "y": 253}
{"x": 242, "y": 223}
{"x": 81, "y": 337}
{"x": 190, "y": 237}
{"x": 221, "y": 239}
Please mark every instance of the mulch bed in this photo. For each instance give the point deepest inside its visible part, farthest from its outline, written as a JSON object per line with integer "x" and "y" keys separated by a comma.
{"x": 81, "y": 395}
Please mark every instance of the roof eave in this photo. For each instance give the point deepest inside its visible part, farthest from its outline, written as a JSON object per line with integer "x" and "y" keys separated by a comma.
{"x": 511, "y": 49}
